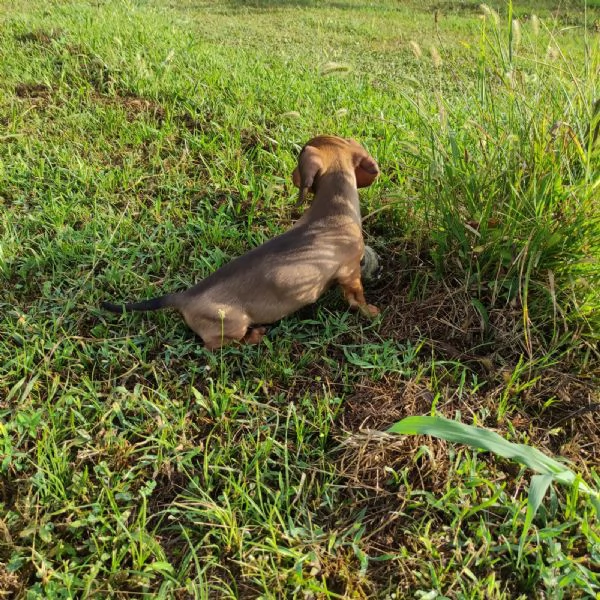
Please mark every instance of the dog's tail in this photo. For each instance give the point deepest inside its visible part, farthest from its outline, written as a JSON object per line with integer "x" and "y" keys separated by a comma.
{"x": 167, "y": 301}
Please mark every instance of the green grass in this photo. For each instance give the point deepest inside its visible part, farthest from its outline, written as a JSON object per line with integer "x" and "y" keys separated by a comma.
{"x": 146, "y": 143}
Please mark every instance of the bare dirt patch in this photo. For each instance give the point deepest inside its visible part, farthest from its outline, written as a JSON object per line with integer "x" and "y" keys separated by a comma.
{"x": 566, "y": 407}
{"x": 253, "y": 139}
{"x": 445, "y": 314}
{"x": 194, "y": 124}
{"x": 40, "y": 37}
{"x": 10, "y": 585}
{"x": 133, "y": 106}
{"x": 33, "y": 90}
{"x": 367, "y": 456}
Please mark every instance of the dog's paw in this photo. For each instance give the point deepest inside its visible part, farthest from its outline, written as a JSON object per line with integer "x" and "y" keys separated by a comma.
{"x": 254, "y": 335}
{"x": 369, "y": 310}
{"x": 373, "y": 310}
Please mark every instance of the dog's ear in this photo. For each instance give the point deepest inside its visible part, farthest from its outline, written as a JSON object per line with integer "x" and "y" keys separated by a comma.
{"x": 309, "y": 165}
{"x": 366, "y": 171}
{"x": 296, "y": 177}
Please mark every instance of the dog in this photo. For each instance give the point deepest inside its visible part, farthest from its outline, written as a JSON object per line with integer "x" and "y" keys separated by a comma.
{"x": 325, "y": 246}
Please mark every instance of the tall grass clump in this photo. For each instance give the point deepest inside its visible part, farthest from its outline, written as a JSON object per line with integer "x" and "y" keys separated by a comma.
{"x": 511, "y": 170}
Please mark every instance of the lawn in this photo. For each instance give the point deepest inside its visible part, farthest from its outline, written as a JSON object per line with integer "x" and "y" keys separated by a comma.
{"x": 147, "y": 142}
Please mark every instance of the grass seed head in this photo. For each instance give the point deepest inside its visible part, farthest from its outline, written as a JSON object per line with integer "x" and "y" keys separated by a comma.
{"x": 516, "y": 32}
{"x": 552, "y": 53}
{"x": 416, "y": 49}
{"x": 490, "y": 13}
{"x": 436, "y": 59}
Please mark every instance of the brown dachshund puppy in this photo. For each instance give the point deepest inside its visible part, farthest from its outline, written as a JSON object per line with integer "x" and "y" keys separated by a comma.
{"x": 292, "y": 270}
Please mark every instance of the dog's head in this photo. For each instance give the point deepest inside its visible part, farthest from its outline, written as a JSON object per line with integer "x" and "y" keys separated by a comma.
{"x": 326, "y": 152}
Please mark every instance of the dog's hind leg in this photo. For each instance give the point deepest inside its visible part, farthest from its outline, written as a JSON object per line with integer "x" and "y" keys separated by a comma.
{"x": 254, "y": 335}
{"x": 221, "y": 327}
{"x": 354, "y": 294}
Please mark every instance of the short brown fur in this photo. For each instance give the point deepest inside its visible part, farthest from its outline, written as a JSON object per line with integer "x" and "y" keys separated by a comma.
{"x": 292, "y": 270}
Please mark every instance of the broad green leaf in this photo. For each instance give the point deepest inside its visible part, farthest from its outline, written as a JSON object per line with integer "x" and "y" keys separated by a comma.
{"x": 478, "y": 437}
{"x": 537, "y": 490}
{"x": 159, "y": 566}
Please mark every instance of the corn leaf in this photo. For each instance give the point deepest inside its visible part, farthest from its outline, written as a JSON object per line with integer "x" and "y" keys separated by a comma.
{"x": 478, "y": 437}
{"x": 537, "y": 490}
